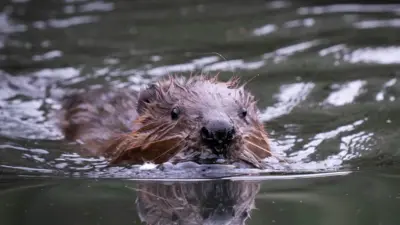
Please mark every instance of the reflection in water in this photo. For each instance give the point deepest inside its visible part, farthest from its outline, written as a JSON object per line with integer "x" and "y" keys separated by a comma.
{"x": 359, "y": 198}
{"x": 81, "y": 201}
{"x": 193, "y": 203}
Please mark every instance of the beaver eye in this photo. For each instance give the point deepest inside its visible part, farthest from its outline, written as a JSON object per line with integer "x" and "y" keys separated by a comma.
{"x": 243, "y": 113}
{"x": 175, "y": 113}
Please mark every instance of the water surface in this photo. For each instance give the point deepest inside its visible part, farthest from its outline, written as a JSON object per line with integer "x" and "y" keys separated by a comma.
{"x": 325, "y": 73}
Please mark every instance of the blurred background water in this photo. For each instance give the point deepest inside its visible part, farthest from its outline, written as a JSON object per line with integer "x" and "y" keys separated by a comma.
{"x": 325, "y": 73}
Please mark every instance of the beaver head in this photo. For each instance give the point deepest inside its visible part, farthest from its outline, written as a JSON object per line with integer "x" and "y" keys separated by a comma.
{"x": 197, "y": 119}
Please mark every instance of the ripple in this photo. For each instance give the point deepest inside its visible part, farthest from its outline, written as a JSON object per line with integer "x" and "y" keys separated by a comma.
{"x": 283, "y": 144}
{"x": 98, "y": 6}
{"x": 232, "y": 65}
{"x": 163, "y": 70}
{"x": 311, "y": 147}
{"x": 381, "y": 95}
{"x": 332, "y": 49}
{"x": 74, "y": 1}
{"x": 264, "y": 30}
{"x": 205, "y": 60}
{"x": 289, "y": 97}
{"x": 370, "y": 24}
{"x": 382, "y": 55}
{"x": 353, "y": 145}
{"x": 281, "y": 54}
{"x": 18, "y": 148}
{"x": 58, "y": 73}
{"x": 24, "y": 104}
{"x": 349, "y": 8}
{"x": 278, "y": 4}
{"x": 9, "y": 26}
{"x": 28, "y": 169}
{"x": 12, "y": 86}
{"x": 307, "y": 22}
{"x": 346, "y": 93}
{"x": 63, "y": 23}
{"x": 47, "y": 55}
{"x": 27, "y": 120}
{"x": 290, "y": 50}
{"x": 378, "y": 55}
{"x": 184, "y": 67}
{"x": 204, "y": 64}
{"x": 20, "y": 1}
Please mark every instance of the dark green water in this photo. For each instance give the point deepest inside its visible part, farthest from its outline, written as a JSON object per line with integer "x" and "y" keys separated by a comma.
{"x": 325, "y": 72}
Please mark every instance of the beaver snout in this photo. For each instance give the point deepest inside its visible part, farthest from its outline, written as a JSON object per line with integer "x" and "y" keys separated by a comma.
{"x": 218, "y": 134}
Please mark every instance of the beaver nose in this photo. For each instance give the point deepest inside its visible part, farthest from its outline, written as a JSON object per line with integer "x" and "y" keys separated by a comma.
{"x": 218, "y": 134}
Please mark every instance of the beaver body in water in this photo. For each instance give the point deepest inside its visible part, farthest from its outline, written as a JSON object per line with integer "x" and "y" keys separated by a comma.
{"x": 198, "y": 119}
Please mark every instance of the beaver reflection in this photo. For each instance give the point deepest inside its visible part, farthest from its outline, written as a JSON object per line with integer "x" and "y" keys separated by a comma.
{"x": 210, "y": 202}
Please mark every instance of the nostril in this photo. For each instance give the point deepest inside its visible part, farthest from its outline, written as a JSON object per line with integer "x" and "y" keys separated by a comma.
{"x": 205, "y": 133}
{"x": 230, "y": 134}
{"x": 218, "y": 135}
{"x": 218, "y": 132}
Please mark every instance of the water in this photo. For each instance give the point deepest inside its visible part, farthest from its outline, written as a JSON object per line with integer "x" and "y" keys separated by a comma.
{"x": 325, "y": 72}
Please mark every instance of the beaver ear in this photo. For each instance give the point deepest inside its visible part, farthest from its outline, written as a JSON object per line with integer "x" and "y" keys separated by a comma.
{"x": 146, "y": 96}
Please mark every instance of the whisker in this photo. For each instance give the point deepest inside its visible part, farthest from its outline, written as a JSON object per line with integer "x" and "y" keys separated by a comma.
{"x": 146, "y": 192}
{"x": 266, "y": 150}
{"x": 151, "y": 194}
{"x": 250, "y": 157}
{"x": 163, "y": 129}
{"x": 259, "y": 147}
{"x": 220, "y": 55}
{"x": 249, "y": 80}
{"x": 170, "y": 149}
{"x": 175, "y": 146}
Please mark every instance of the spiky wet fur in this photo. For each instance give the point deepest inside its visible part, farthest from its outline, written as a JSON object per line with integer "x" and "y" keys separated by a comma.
{"x": 132, "y": 127}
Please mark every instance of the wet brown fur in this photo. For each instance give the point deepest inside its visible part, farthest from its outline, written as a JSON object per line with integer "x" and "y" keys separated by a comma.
{"x": 135, "y": 127}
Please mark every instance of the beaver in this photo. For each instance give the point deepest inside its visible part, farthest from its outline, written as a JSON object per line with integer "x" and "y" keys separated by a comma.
{"x": 200, "y": 202}
{"x": 176, "y": 119}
